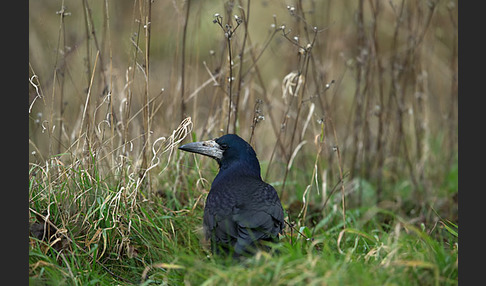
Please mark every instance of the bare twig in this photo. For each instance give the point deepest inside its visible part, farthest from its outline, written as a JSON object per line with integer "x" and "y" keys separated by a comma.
{"x": 183, "y": 61}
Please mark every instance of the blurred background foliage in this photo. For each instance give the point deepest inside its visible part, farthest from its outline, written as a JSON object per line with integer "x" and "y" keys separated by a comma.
{"x": 379, "y": 89}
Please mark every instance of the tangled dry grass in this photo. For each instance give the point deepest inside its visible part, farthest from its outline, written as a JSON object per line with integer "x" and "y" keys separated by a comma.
{"x": 351, "y": 107}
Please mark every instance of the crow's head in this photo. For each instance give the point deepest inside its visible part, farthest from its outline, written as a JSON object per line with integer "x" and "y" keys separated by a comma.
{"x": 228, "y": 150}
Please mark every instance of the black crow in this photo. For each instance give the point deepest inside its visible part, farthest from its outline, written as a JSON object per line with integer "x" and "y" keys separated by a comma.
{"x": 241, "y": 210}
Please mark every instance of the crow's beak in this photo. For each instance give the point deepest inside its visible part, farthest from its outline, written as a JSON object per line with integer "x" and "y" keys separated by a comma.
{"x": 208, "y": 148}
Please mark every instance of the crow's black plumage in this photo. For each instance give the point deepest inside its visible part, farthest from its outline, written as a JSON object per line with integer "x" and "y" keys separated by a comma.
{"x": 241, "y": 209}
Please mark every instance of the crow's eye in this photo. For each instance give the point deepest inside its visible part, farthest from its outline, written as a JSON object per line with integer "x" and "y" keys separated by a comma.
{"x": 224, "y": 146}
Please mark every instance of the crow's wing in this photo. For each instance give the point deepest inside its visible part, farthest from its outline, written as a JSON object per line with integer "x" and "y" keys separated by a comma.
{"x": 243, "y": 215}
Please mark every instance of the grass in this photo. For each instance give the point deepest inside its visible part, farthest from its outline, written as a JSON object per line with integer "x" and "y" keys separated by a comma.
{"x": 350, "y": 106}
{"x": 117, "y": 235}
{"x": 112, "y": 239}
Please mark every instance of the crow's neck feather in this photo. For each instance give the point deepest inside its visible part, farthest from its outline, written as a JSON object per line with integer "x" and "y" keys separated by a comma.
{"x": 240, "y": 168}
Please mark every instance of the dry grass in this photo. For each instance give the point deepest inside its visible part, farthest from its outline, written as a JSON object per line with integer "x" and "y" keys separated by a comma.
{"x": 351, "y": 98}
